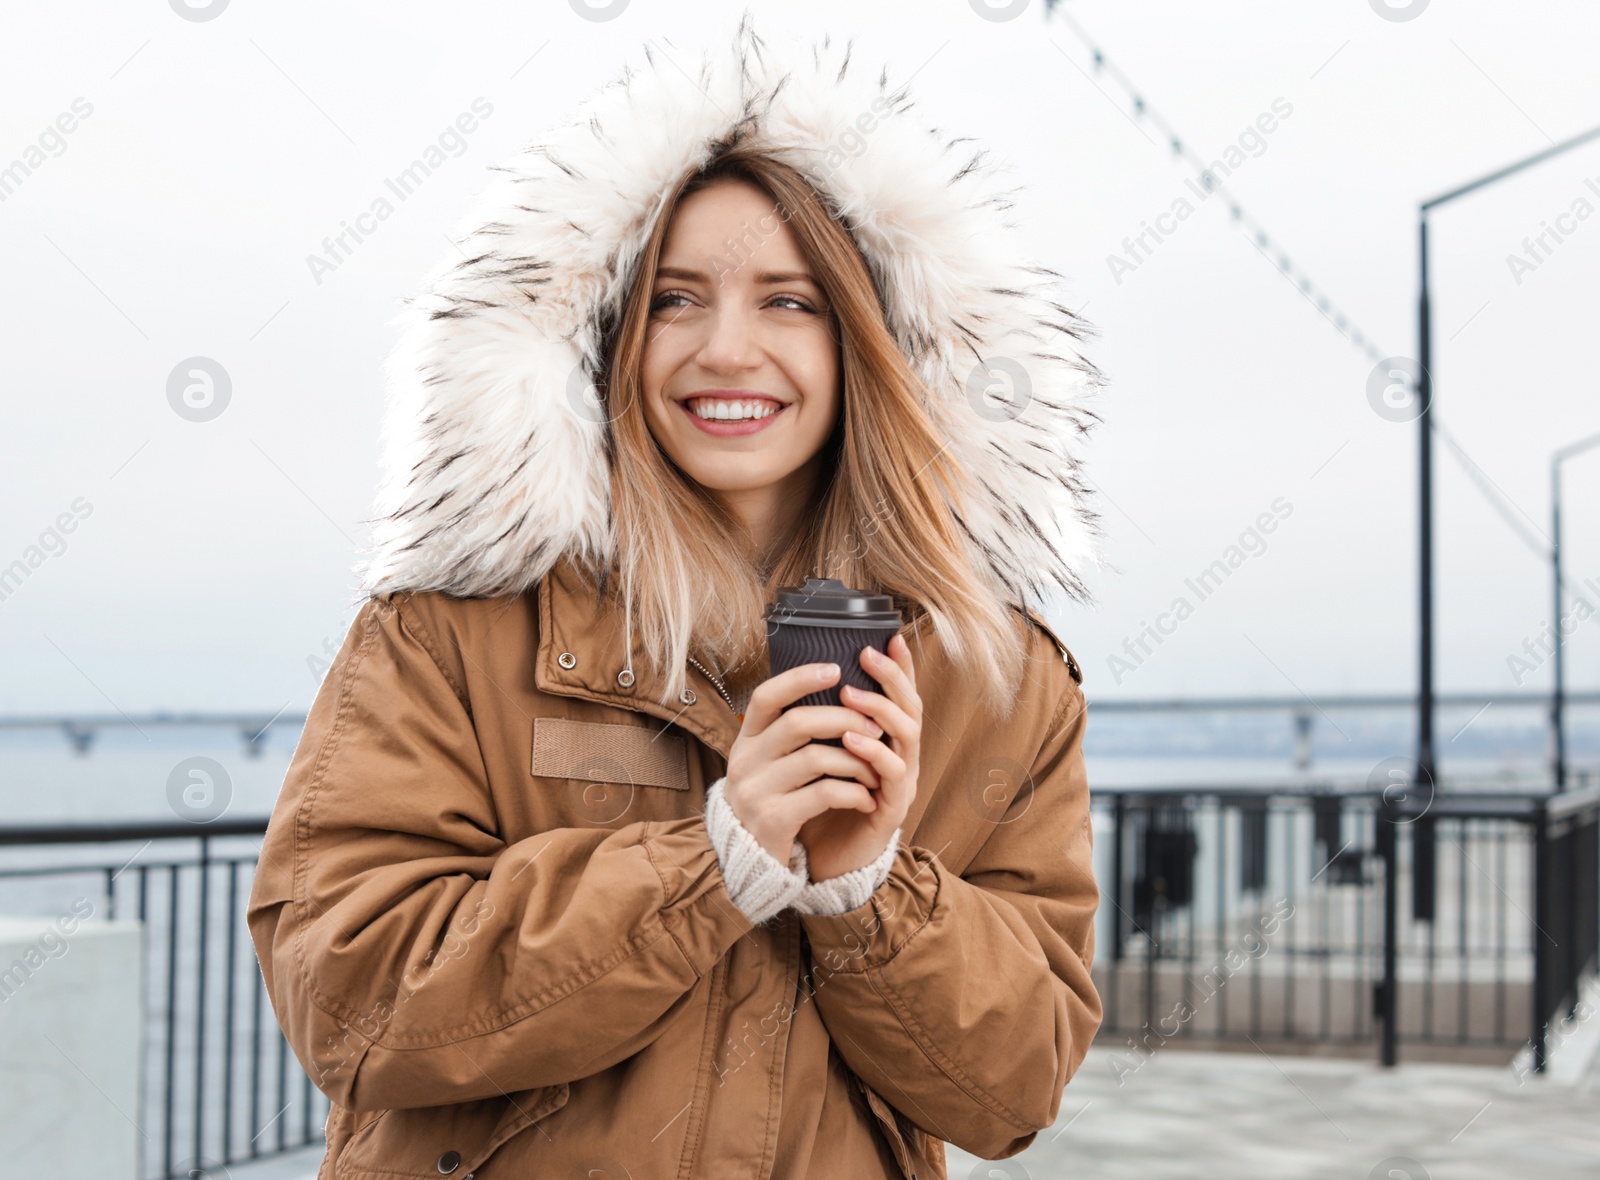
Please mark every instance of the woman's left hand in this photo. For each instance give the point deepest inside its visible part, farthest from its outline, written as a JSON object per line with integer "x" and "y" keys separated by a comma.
{"x": 839, "y": 840}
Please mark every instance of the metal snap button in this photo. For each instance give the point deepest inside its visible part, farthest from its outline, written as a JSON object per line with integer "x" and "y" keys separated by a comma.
{"x": 687, "y": 696}
{"x": 625, "y": 678}
{"x": 449, "y": 1162}
{"x": 567, "y": 660}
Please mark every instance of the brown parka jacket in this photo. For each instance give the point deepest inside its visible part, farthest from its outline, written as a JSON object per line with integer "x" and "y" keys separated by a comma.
{"x": 494, "y": 930}
{"x": 489, "y": 916}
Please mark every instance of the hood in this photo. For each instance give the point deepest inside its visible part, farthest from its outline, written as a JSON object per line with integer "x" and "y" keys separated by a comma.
{"x": 493, "y": 469}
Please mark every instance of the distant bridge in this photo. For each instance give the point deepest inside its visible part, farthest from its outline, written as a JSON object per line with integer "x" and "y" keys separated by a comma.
{"x": 80, "y": 728}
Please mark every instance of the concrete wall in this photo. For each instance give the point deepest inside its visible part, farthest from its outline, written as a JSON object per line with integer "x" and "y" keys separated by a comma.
{"x": 1310, "y": 1003}
{"x": 71, "y": 1005}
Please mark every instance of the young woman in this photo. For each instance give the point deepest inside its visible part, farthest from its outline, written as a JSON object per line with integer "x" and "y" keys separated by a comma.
{"x": 561, "y": 882}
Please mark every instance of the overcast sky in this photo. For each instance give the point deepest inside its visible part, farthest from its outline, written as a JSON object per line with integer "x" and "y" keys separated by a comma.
{"x": 209, "y": 561}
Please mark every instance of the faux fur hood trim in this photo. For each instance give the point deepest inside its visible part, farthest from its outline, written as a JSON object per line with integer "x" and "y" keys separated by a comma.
{"x": 494, "y": 458}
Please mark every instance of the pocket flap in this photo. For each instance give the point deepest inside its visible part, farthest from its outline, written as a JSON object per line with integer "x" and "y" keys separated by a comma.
{"x": 605, "y": 753}
{"x": 431, "y": 1141}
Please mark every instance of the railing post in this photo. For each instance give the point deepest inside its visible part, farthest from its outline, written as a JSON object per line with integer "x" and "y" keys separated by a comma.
{"x": 1424, "y": 868}
{"x": 202, "y": 939}
{"x": 1541, "y": 922}
{"x": 1119, "y": 815}
{"x": 1388, "y": 999}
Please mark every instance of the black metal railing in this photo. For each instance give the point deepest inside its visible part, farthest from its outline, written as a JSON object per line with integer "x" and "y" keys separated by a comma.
{"x": 1315, "y": 914}
{"x": 1566, "y": 914}
{"x": 1276, "y": 914}
{"x": 1227, "y": 914}
{"x": 218, "y": 1084}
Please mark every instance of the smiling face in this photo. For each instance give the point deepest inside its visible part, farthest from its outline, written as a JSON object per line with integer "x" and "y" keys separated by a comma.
{"x": 741, "y": 361}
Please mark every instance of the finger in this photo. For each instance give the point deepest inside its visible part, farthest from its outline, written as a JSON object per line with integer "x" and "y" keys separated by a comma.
{"x": 773, "y": 695}
{"x": 883, "y": 669}
{"x": 896, "y": 722}
{"x": 893, "y": 679}
{"x": 826, "y": 794}
{"x": 870, "y": 749}
{"x": 806, "y": 723}
{"x": 899, "y": 730}
{"x": 817, "y": 759}
{"x": 889, "y": 766}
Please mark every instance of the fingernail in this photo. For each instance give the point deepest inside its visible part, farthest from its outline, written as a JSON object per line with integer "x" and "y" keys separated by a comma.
{"x": 827, "y": 671}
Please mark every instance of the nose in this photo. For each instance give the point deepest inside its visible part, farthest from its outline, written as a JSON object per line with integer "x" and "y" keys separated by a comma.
{"x": 730, "y": 344}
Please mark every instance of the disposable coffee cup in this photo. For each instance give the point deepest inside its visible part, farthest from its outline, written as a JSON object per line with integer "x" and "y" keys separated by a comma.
{"x": 822, "y": 622}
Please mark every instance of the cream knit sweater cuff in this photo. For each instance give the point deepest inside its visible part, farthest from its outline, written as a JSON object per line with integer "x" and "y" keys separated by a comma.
{"x": 761, "y": 887}
{"x": 758, "y": 884}
{"x": 848, "y": 891}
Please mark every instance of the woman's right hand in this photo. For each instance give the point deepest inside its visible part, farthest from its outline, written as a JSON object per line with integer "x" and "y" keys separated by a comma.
{"x": 773, "y": 761}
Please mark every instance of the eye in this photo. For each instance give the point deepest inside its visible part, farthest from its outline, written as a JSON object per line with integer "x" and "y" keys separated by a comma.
{"x": 799, "y": 303}
{"x": 660, "y": 301}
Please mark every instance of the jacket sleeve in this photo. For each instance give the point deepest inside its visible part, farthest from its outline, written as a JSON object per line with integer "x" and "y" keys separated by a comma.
{"x": 412, "y": 956}
{"x": 966, "y": 1001}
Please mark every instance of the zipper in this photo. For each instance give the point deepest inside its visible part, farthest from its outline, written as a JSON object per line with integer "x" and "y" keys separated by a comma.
{"x": 723, "y": 692}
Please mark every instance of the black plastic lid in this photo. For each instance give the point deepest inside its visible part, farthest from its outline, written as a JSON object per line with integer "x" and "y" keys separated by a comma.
{"x": 828, "y": 602}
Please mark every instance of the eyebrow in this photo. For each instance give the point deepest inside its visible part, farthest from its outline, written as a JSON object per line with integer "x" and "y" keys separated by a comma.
{"x": 762, "y": 276}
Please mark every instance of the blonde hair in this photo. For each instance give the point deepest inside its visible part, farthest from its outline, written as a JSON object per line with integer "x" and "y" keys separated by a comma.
{"x": 881, "y": 521}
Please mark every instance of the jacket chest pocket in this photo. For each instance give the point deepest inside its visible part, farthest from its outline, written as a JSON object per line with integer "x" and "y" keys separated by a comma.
{"x": 607, "y": 773}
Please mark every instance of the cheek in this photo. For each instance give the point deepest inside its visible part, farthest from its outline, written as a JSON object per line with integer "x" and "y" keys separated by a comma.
{"x": 815, "y": 372}
{"x": 656, "y": 366}
{"x": 652, "y": 372}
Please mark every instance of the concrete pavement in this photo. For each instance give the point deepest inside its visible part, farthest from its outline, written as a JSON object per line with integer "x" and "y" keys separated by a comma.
{"x": 1251, "y": 1116}
{"x": 1254, "y": 1115}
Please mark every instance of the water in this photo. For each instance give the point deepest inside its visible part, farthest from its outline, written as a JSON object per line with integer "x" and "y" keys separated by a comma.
{"x": 128, "y": 777}
{"x": 125, "y": 777}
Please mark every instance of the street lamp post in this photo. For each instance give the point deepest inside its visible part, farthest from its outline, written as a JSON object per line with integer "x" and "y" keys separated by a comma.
{"x": 1558, "y": 695}
{"x": 1426, "y": 771}
{"x": 1425, "y": 754}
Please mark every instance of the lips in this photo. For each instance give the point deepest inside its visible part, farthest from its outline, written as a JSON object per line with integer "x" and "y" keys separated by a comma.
{"x": 727, "y": 428}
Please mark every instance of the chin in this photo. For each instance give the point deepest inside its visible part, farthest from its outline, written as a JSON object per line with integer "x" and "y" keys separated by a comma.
{"x": 723, "y": 480}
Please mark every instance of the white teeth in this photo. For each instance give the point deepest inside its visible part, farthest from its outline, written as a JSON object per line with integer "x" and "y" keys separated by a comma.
{"x": 726, "y": 411}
